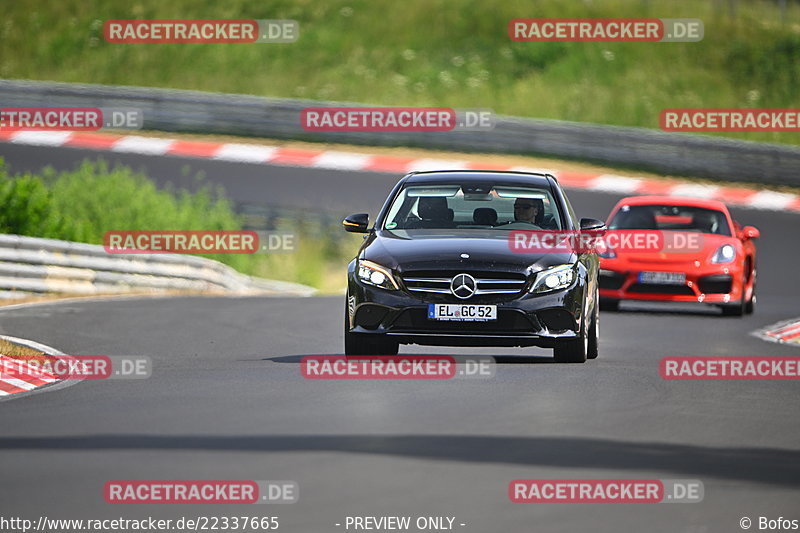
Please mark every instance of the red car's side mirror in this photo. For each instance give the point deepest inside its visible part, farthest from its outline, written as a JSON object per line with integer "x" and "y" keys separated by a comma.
{"x": 750, "y": 232}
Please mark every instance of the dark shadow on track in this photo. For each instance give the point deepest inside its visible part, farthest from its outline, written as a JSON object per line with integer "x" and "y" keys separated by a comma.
{"x": 498, "y": 359}
{"x": 690, "y": 310}
{"x": 772, "y": 466}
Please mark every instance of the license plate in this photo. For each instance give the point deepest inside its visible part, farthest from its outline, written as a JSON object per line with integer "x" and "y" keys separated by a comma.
{"x": 465, "y": 313}
{"x": 662, "y": 278}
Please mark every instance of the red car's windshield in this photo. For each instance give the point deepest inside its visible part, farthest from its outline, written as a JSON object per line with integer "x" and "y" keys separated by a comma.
{"x": 671, "y": 217}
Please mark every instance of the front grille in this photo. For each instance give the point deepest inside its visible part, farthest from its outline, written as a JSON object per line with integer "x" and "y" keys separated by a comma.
{"x": 438, "y": 282}
{"x": 716, "y": 284}
{"x": 370, "y": 316}
{"x": 655, "y": 288}
{"x": 612, "y": 281}
{"x": 557, "y": 319}
{"x": 508, "y": 321}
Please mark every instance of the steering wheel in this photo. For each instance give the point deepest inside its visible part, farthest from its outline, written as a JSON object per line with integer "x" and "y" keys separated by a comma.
{"x": 520, "y": 224}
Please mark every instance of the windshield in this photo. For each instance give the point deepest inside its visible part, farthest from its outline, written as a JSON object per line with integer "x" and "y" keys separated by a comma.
{"x": 671, "y": 217}
{"x": 473, "y": 206}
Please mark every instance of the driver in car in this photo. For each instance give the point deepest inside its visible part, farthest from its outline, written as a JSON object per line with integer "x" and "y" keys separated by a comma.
{"x": 527, "y": 210}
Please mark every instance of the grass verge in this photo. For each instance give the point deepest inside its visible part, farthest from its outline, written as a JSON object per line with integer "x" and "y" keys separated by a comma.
{"x": 83, "y": 204}
{"x": 15, "y": 351}
{"x": 433, "y": 52}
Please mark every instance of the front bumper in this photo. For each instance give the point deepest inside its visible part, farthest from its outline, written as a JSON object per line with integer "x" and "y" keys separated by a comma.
{"x": 710, "y": 283}
{"x": 527, "y": 320}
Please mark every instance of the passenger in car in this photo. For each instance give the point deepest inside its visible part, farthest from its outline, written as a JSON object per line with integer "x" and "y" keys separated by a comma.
{"x": 484, "y": 216}
{"x": 433, "y": 213}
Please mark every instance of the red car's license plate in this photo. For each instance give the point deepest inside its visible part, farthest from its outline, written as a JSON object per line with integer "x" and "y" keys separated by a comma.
{"x": 663, "y": 278}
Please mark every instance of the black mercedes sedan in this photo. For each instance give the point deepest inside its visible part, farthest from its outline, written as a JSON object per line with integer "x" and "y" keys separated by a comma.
{"x": 437, "y": 268}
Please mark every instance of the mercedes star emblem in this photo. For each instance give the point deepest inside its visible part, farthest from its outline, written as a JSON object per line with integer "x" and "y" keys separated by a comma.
{"x": 463, "y": 286}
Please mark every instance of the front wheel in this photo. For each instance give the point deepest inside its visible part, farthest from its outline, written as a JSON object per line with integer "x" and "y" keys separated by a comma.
{"x": 369, "y": 345}
{"x": 594, "y": 337}
{"x": 355, "y": 344}
{"x": 736, "y": 309}
{"x": 573, "y": 351}
{"x": 750, "y": 306}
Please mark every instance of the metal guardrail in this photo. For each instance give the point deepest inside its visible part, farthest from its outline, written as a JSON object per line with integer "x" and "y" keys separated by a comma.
{"x": 30, "y": 266}
{"x": 199, "y": 112}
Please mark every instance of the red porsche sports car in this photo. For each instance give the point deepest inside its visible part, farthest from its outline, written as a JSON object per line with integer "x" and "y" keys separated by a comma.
{"x": 677, "y": 249}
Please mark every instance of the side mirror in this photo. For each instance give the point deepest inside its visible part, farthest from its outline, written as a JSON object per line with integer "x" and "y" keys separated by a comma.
{"x": 750, "y": 232}
{"x": 592, "y": 223}
{"x": 356, "y": 223}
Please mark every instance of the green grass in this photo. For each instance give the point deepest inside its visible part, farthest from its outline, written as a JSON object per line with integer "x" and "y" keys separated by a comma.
{"x": 83, "y": 204}
{"x": 432, "y": 52}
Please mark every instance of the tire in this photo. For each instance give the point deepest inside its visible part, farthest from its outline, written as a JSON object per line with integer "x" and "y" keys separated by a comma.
{"x": 592, "y": 350}
{"x": 355, "y": 344}
{"x": 750, "y": 306}
{"x": 736, "y": 309}
{"x": 572, "y": 351}
{"x": 585, "y": 346}
{"x": 607, "y": 304}
{"x": 367, "y": 345}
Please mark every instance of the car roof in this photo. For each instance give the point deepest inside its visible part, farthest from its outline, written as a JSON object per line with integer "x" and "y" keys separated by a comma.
{"x": 688, "y": 201}
{"x": 460, "y": 176}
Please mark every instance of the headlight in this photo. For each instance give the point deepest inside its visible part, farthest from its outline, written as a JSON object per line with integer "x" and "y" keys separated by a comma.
{"x": 724, "y": 254}
{"x": 377, "y": 275}
{"x": 553, "y": 278}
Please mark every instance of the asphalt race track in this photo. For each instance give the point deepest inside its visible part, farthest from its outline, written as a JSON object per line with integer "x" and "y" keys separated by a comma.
{"x": 226, "y": 400}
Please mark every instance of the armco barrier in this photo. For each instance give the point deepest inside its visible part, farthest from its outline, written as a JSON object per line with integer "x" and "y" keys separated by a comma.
{"x": 30, "y": 265}
{"x": 199, "y": 112}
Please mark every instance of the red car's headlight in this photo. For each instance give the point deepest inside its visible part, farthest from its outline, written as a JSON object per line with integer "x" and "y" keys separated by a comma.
{"x": 724, "y": 254}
